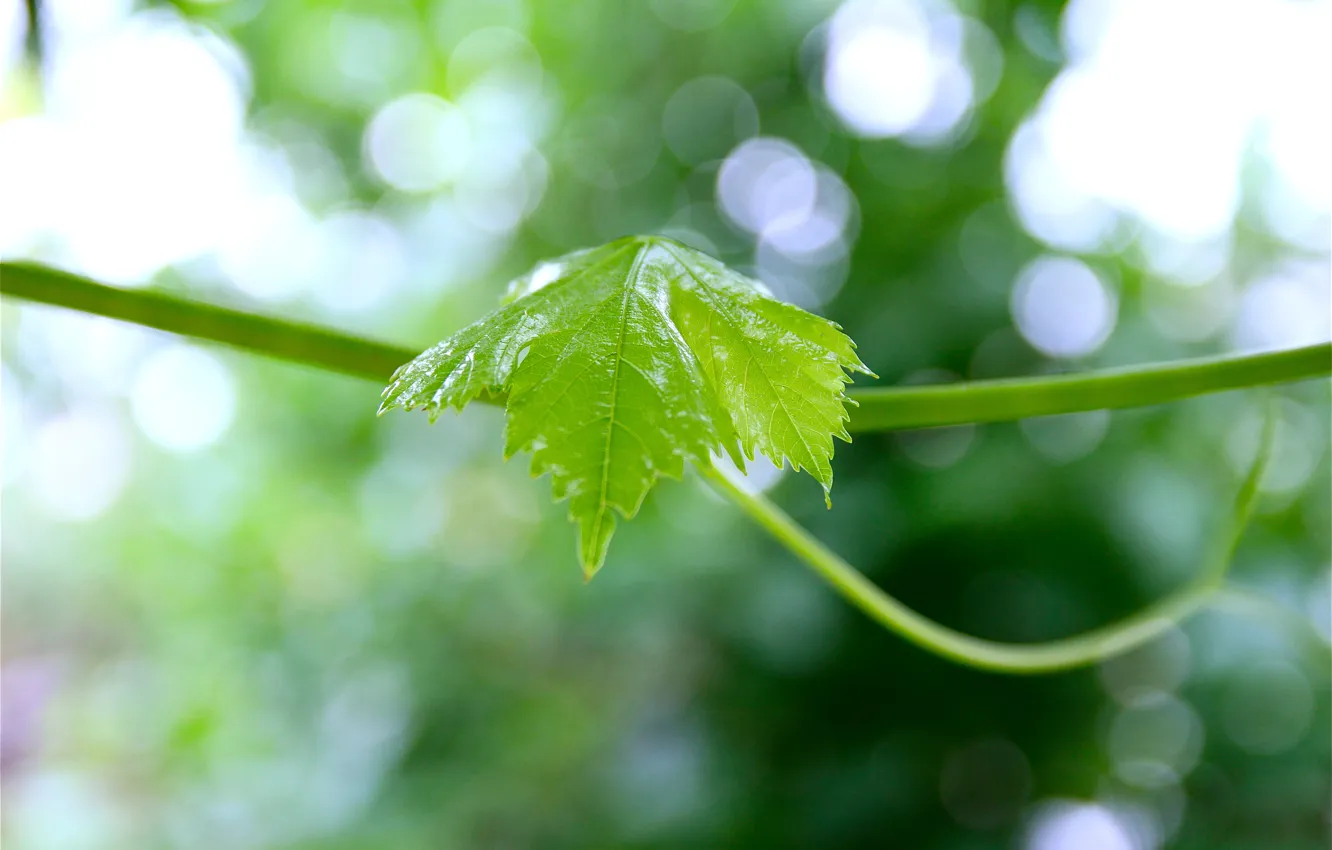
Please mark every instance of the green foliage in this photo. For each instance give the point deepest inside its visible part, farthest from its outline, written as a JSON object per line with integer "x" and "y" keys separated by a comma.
{"x": 622, "y": 362}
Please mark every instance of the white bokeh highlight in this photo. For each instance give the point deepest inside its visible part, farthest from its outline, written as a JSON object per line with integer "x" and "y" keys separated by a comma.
{"x": 895, "y": 69}
{"x": 802, "y": 214}
{"x": 1109, "y": 139}
{"x": 766, "y": 183}
{"x": 184, "y": 398}
{"x": 418, "y": 143}
{"x": 80, "y": 463}
{"x": 1286, "y": 307}
{"x": 1080, "y": 826}
{"x": 13, "y": 428}
{"x": 1062, "y": 307}
{"x": 132, "y": 167}
{"x": 362, "y": 264}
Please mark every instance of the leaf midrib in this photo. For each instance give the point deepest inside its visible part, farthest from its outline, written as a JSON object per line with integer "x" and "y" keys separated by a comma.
{"x": 629, "y": 282}
{"x": 574, "y": 338}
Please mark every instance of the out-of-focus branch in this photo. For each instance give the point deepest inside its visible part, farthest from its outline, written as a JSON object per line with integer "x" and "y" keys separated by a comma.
{"x": 33, "y": 43}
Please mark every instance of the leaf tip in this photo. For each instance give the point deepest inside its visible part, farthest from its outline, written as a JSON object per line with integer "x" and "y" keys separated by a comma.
{"x": 860, "y": 367}
{"x": 390, "y": 400}
{"x": 594, "y": 541}
{"x": 592, "y": 561}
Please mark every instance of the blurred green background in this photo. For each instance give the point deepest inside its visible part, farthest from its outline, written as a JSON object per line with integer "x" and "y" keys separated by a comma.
{"x": 241, "y": 612}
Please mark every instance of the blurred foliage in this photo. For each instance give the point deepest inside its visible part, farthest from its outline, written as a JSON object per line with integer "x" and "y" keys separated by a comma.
{"x": 325, "y": 630}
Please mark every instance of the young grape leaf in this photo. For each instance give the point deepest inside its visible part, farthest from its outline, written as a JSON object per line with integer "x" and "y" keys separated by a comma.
{"x": 620, "y": 363}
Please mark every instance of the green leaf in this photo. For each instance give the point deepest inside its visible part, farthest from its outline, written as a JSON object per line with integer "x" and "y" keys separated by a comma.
{"x": 622, "y": 362}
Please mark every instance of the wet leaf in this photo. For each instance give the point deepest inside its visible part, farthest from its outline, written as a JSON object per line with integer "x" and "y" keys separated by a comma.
{"x": 621, "y": 363}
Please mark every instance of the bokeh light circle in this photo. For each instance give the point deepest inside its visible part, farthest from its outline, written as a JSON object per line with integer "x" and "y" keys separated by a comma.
{"x": 183, "y": 398}
{"x": 1062, "y": 307}
{"x": 418, "y": 143}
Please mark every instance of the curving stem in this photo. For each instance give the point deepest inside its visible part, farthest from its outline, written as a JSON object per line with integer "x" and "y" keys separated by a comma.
{"x": 1067, "y": 653}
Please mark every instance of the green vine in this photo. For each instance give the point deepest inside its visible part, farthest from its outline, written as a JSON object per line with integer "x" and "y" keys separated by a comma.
{"x": 643, "y": 354}
{"x": 878, "y": 409}
{"x": 1047, "y": 657}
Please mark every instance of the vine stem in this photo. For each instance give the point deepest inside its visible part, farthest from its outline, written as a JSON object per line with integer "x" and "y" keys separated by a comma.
{"x": 879, "y": 409}
{"x": 1064, "y": 654}
{"x": 323, "y": 348}
{"x": 892, "y": 408}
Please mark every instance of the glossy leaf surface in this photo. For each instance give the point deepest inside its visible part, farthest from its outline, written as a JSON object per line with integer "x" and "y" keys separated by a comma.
{"x": 620, "y": 363}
